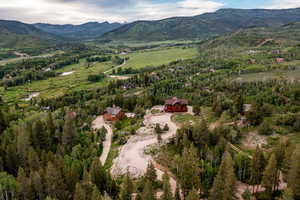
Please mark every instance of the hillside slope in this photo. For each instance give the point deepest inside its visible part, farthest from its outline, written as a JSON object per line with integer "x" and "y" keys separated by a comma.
{"x": 285, "y": 35}
{"x": 84, "y": 31}
{"x": 203, "y": 26}
{"x": 14, "y": 34}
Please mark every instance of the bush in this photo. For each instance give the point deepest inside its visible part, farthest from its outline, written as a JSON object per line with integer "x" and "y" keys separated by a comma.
{"x": 95, "y": 77}
{"x": 265, "y": 129}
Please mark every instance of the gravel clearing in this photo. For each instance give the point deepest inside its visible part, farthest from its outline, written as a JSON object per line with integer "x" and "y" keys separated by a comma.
{"x": 132, "y": 157}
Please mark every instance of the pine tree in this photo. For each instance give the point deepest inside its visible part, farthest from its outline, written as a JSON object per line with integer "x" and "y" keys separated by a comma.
{"x": 258, "y": 164}
{"x": 3, "y": 123}
{"x": 96, "y": 195}
{"x": 98, "y": 175}
{"x": 39, "y": 135}
{"x": 80, "y": 193}
{"x": 270, "y": 174}
{"x": 224, "y": 183}
{"x": 167, "y": 193}
{"x": 193, "y": 195}
{"x": 54, "y": 182}
{"x": 126, "y": 188}
{"x": 148, "y": 192}
{"x": 50, "y": 124}
{"x": 201, "y": 133}
{"x": 24, "y": 190}
{"x": 33, "y": 159}
{"x": 37, "y": 184}
{"x": 239, "y": 104}
{"x": 294, "y": 173}
{"x": 151, "y": 173}
{"x": 189, "y": 171}
{"x": 69, "y": 133}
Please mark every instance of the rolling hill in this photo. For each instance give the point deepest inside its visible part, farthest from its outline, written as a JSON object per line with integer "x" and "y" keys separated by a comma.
{"x": 84, "y": 31}
{"x": 202, "y": 26}
{"x": 288, "y": 34}
{"x": 14, "y": 34}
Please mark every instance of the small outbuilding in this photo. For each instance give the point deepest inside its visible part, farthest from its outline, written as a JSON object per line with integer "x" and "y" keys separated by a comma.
{"x": 113, "y": 114}
{"x": 176, "y": 105}
{"x": 280, "y": 60}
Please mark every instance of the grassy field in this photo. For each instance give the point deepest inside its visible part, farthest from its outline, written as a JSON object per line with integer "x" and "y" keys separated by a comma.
{"x": 156, "y": 57}
{"x": 276, "y": 74}
{"x": 59, "y": 85}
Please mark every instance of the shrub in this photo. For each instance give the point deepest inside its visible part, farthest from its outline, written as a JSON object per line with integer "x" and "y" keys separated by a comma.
{"x": 265, "y": 129}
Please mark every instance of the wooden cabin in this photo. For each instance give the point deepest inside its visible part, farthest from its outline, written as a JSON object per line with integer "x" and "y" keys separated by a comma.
{"x": 176, "y": 105}
{"x": 113, "y": 114}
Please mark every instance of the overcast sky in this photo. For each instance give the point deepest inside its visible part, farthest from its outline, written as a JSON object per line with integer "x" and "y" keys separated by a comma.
{"x": 81, "y": 11}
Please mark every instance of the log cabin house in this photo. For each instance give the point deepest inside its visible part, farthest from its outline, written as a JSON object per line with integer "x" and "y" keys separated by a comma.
{"x": 176, "y": 105}
{"x": 113, "y": 114}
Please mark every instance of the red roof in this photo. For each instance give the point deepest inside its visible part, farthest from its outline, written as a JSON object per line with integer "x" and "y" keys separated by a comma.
{"x": 175, "y": 100}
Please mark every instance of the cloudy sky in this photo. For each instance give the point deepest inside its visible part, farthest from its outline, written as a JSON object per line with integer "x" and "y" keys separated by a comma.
{"x": 81, "y": 11}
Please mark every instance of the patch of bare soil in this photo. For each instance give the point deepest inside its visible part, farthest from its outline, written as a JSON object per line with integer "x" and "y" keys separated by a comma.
{"x": 253, "y": 140}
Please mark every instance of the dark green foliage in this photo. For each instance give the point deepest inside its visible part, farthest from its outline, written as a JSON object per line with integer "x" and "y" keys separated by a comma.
{"x": 148, "y": 192}
{"x": 151, "y": 173}
{"x": 96, "y": 77}
{"x": 69, "y": 132}
{"x": 294, "y": 174}
{"x": 126, "y": 188}
{"x": 189, "y": 167}
{"x": 224, "y": 183}
{"x": 265, "y": 129}
{"x": 270, "y": 175}
{"x": 257, "y": 167}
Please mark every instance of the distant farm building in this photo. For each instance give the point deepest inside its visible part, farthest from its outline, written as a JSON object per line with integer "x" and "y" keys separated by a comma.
{"x": 176, "y": 105}
{"x": 113, "y": 114}
{"x": 279, "y": 60}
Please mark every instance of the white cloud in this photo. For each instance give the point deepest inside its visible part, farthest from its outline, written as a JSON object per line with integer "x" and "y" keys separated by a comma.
{"x": 282, "y": 4}
{"x": 76, "y": 11}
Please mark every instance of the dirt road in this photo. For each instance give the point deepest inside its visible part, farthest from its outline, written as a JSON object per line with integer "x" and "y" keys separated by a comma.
{"x": 98, "y": 123}
{"x": 132, "y": 156}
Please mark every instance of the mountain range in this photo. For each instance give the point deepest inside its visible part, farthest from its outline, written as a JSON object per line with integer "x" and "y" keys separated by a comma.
{"x": 203, "y": 26}
{"x": 14, "y": 34}
{"x": 209, "y": 25}
{"x": 84, "y": 31}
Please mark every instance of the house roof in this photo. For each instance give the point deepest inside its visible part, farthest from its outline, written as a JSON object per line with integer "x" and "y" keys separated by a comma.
{"x": 175, "y": 100}
{"x": 113, "y": 110}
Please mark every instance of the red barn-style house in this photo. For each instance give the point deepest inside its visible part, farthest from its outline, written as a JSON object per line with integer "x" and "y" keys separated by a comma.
{"x": 176, "y": 105}
{"x": 113, "y": 114}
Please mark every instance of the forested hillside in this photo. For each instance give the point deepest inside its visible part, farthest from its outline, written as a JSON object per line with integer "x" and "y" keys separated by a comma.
{"x": 15, "y": 34}
{"x": 84, "y": 31}
{"x": 203, "y": 26}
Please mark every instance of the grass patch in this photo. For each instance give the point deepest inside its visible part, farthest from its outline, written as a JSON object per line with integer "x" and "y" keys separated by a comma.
{"x": 184, "y": 118}
{"x": 114, "y": 152}
{"x": 158, "y": 57}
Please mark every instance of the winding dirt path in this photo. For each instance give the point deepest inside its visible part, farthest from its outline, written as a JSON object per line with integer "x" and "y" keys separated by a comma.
{"x": 132, "y": 157}
{"x": 98, "y": 123}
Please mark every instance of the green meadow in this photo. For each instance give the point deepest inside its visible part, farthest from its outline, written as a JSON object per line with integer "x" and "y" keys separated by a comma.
{"x": 156, "y": 57}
